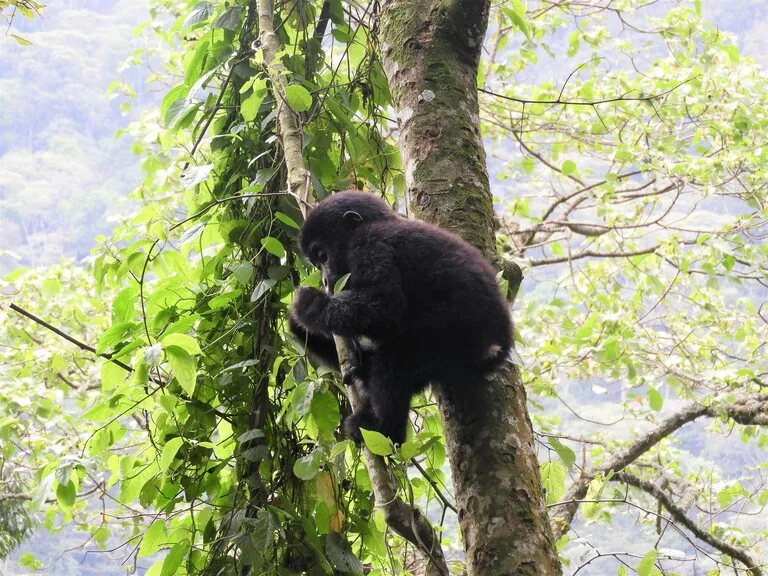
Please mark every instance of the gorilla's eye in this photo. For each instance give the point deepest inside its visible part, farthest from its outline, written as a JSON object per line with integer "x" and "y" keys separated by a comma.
{"x": 321, "y": 256}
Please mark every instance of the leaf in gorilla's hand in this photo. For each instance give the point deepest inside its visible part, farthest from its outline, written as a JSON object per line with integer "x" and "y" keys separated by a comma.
{"x": 340, "y": 283}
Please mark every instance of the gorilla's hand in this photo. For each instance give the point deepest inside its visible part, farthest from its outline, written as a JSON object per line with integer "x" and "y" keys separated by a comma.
{"x": 307, "y": 309}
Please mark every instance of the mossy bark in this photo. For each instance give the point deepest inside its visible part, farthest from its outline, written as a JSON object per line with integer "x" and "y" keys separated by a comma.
{"x": 431, "y": 49}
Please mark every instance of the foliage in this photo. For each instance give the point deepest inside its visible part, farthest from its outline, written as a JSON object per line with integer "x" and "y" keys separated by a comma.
{"x": 638, "y": 211}
{"x": 27, "y": 8}
{"x": 643, "y": 223}
{"x": 239, "y": 454}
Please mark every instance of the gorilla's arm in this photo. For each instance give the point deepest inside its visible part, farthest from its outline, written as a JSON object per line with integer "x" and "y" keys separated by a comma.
{"x": 321, "y": 349}
{"x": 372, "y": 304}
{"x": 368, "y": 312}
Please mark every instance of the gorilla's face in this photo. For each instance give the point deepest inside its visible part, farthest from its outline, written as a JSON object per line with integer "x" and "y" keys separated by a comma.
{"x": 330, "y": 257}
{"x": 327, "y": 231}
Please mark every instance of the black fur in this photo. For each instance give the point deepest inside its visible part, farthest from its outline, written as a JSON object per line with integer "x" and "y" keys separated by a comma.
{"x": 426, "y": 299}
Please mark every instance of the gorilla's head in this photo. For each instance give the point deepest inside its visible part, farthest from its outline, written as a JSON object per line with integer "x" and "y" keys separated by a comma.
{"x": 327, "y": 231}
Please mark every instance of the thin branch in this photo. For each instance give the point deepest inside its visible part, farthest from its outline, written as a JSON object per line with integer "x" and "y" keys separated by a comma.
{"x": 290, "y": 131}
{"x": 434, "y": 485}
{"x": 682, "y": 518}
{"x": 749, "y": 410}
{"x": 67, "y": 337}
{"x": 106, "y": 356}
{"x": 406, "y": 521}
{"x": 560, "y": 101}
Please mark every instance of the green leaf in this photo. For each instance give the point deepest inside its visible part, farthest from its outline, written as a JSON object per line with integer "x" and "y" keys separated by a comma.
{"x": 154, "y": 538}
{"x": 568, "y": 167}
{"x": 307, "y": 467}
{"x": 195, "y": 174}
{"x": 114, "y": 335}
{"x": 567, "y": 455}
{"x": 517, "y": 18}
{"x": 273, "y": 246}
{"x": 341, "y": 555}
{"x": 242, "y": 271}
{"x": 65, "y": 495}
{"x": 250, "y": 106}
{"x": 112, "y": 375}
{"x": 733, "y": 53}
{"x": 175, "y": 558}
{"x": 183, "y": 367}
{"x": 377, "y": 443}
{"x": 50, "y": 288}
{"x": 20, "y": 40}
{"x": 325, "y": 411}
{"x": 298, "y": 97}
{"x": 339, "y": 448}
{"x": 553, "y": 480}
{"x": 655, "y": 400}
{"x": 186, "y": 343}
{"x": 169, "y": 452}
{"x": 340, "y": 283}
{"x": 174, "y": 95}
{"x": 42, "y": 491}
{"x": 262, "y": 288}
{"x": 229, "y": 19}
{"x": 646, "y": 564}
{"x": 528, "y": 164}
{"x": 250, "y": 435}
{"x": 287, "y": 220}
{"x": 29, "y": 561}
{"x": 200, "y": 13}
{"x": 301, "y": 398}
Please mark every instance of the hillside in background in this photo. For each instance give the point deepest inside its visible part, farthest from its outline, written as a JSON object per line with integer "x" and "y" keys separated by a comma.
{"x": 62, "y": 171}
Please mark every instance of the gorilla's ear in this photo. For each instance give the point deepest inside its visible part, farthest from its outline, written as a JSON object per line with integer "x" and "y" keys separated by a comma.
{"x": 352, "y": 219}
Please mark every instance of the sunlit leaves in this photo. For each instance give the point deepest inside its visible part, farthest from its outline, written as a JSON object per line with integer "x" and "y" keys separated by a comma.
{"x": 307, "y": 466}
{"x": 183, "y": 341}
{"x": 273, "y": 246}
{"x": 112, "y": 375}
{"x": 377, "y": 443}
{"x": 655, "y": 400}
{"x": 298, "y": 97}
{"x": 169, "y": 452}
{"x": 154, "y": 538}
{"x": 567, "y": 455}
{"x": 553, "y": 480}
{"x": 184, "y": 367}
{"x": 195, "y": 174}
{"x": 646, "y": 565}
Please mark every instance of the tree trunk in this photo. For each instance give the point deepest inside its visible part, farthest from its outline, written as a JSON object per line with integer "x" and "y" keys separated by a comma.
{"x": 431, "y": 50}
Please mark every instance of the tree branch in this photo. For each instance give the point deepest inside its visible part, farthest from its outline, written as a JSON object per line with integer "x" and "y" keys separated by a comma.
{"x": 559, "y": 101}
{"x": 682, "y": 518}
{"x": 408, "y": 522}
{"x": 751, "y": 410}
{"x": 289, "y": 132}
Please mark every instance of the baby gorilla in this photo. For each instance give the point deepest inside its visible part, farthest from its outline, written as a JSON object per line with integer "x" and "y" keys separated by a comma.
{"x": 421, "y": 305}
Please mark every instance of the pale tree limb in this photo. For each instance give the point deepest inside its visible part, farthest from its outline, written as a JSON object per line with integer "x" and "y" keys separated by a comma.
{"x": 289, "y": 131}
{"x": 749, "y": 410}
{"x": 406, "y": 521}
{"x": 751, "y": 565}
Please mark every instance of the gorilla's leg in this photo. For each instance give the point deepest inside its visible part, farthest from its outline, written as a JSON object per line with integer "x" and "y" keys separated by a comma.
{"x": 387, "y": 393}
